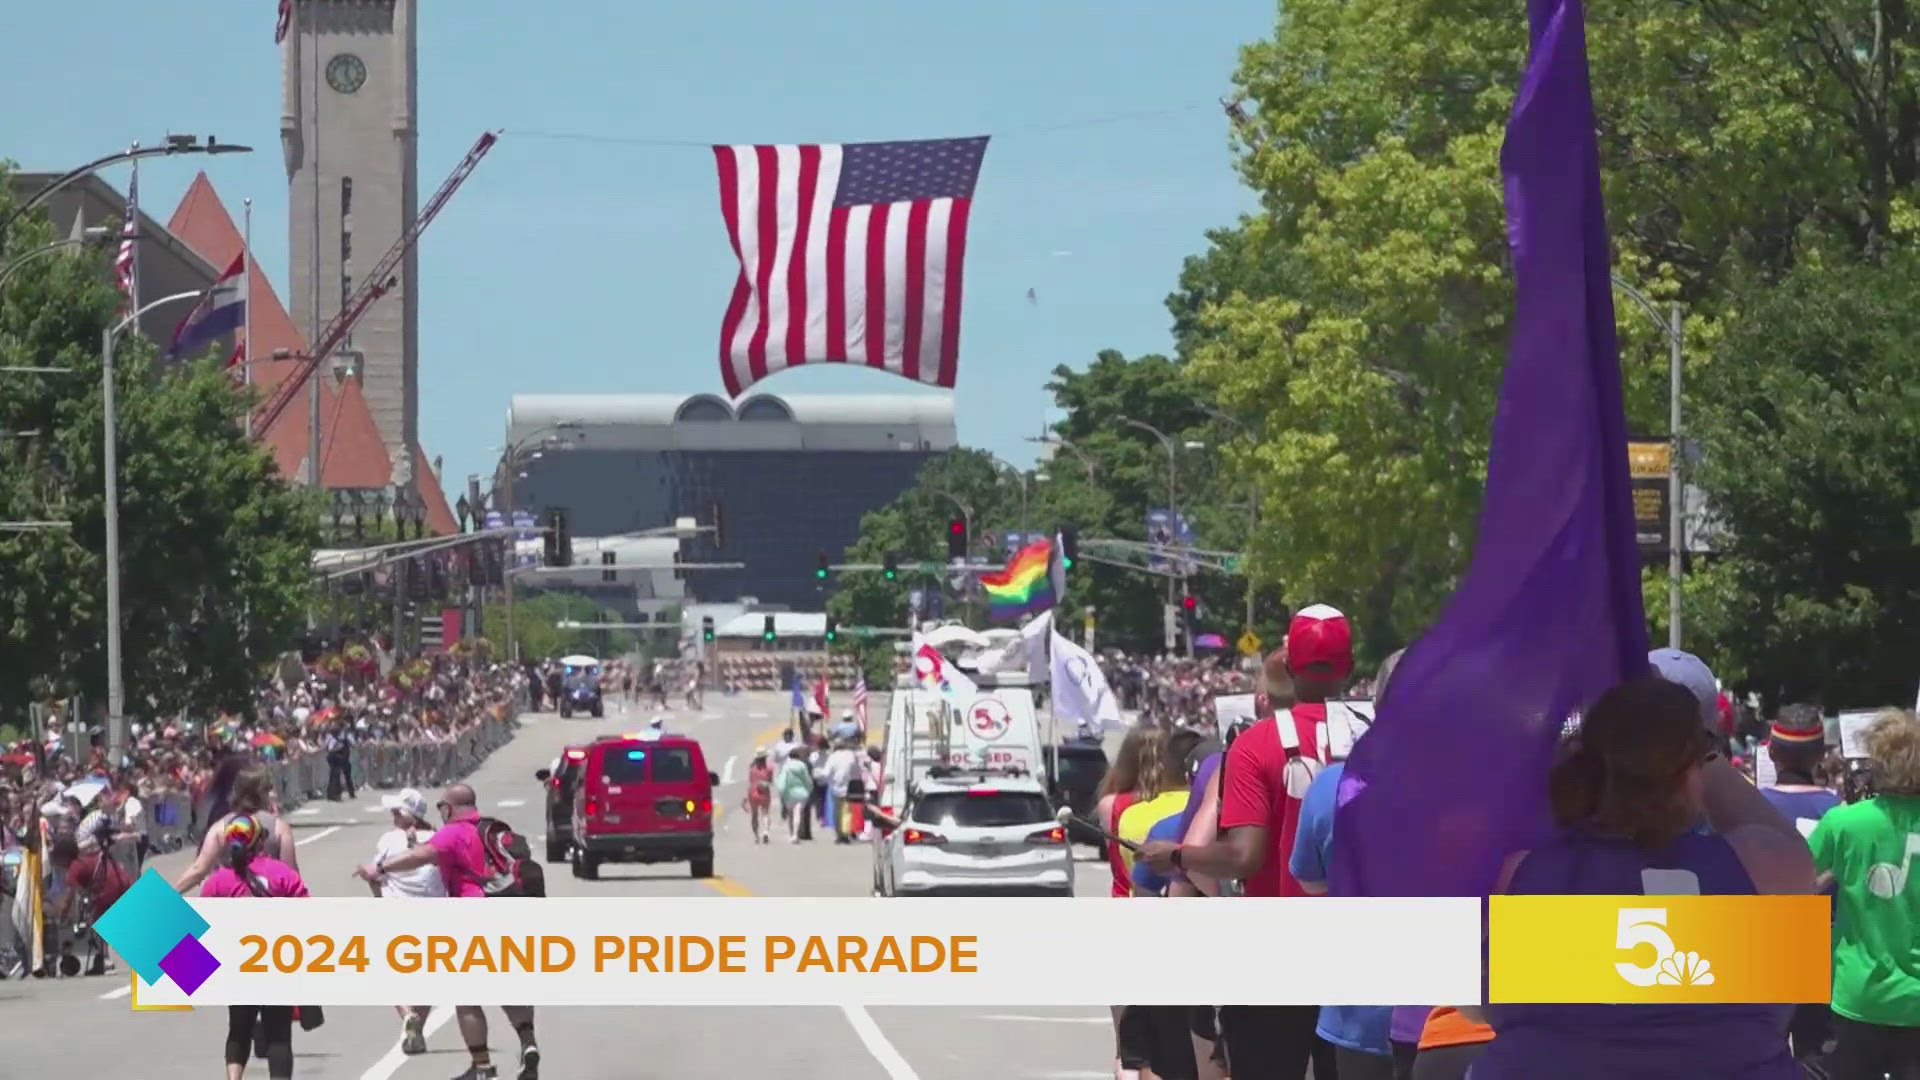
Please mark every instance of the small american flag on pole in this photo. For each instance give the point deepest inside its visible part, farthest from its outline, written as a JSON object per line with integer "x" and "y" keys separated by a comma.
{"x": 126, "y": 263}
{"x": 860, "y": 700}
{"x": 849, "y": 253}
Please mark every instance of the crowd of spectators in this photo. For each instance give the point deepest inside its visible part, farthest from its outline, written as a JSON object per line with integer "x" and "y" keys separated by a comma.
{"x": 308, "y": 709}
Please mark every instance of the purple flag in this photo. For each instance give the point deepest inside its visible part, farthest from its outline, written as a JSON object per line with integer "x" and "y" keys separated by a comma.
{"x": 1453, "y": 776}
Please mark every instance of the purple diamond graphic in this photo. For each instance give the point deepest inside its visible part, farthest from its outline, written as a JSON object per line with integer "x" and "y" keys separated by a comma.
{"x": 189, "y": 964}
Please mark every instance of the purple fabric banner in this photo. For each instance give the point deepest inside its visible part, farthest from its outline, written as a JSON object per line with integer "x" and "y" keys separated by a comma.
{"x": 1453, "y": 775}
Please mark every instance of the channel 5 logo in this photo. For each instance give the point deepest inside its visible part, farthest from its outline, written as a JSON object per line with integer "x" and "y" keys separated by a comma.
{"x": 1662, "y": 947}
{"x": 158, "y": 933}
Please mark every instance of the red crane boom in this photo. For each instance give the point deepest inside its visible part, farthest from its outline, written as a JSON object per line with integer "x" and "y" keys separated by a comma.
{"x": 372, "y": 287}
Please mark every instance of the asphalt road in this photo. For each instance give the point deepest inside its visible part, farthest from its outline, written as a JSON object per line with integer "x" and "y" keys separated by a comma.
{"x": 83, "y": 1026}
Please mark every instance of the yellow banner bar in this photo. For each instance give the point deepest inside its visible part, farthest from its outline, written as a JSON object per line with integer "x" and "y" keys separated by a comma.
{"x": 1648, "y": 950}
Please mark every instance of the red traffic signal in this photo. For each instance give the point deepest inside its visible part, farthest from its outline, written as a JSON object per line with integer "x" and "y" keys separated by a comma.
{"x": 1189, "y": 603}
{"x": 956, "y": 527}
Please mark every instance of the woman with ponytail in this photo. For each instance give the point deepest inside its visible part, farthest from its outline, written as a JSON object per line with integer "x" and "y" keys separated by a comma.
{"x": 247, "y": 871}
{"x": 247, "y": 791}
{"x": 1630, "y": 795}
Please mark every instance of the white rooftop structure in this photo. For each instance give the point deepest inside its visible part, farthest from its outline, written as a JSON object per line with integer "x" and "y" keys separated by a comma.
{"x": 786, "y": 624}
{"x": 756, "y": 422}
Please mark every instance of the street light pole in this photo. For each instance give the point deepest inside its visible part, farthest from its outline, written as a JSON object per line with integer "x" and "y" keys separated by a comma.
{"x": 1085, "y": 461}
{"x": 1022, "y": 477}
{"x": 1173, "y": 506}
{"x": 1673, "y": 328}
{"x": 110, "y": 464}
{"x": 510, "y": 463}
{"x": 172, "y": 144}
{"x": 95, "y": 234}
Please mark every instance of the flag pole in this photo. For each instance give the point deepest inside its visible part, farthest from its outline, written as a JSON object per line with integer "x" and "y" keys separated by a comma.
{"x": 246, "y": 293}
{"x": 133, "y": 224}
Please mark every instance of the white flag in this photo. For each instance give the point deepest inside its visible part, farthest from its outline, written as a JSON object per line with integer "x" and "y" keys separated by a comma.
{"x": 1080, "y": 690}
{"x": 935, "y": 672}
{"x": 1035, "y": 635}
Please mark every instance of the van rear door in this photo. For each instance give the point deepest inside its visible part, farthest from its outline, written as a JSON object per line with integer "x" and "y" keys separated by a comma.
{"x": 679, "y": 796}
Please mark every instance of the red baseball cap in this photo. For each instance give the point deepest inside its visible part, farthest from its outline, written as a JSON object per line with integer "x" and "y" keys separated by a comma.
{"x": 1320, "y": 635}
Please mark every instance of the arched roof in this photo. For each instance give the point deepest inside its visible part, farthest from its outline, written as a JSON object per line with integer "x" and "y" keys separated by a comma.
{"x": 765, "y": 407}
{"x": 704, "y": 407}
{"x": 928, "y": 413}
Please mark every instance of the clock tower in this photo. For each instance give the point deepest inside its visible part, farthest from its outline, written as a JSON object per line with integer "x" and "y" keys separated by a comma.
{"x": 348, "y": 130}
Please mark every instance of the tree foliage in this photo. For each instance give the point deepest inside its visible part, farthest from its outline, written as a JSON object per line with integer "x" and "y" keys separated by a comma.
{"x": 1811, "y": 429}
{"x": 215, "y": 547}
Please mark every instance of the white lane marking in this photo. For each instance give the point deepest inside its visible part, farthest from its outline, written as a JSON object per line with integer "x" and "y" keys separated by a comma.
{"x": 875, "y": 1041}
{"x": 756, "y": 716}
{"x": 302, "y": 842}
{"x": 509, "y": 803}
{"x": 305, "y": 811}
{"x": 373, "y": 809}
{"x": 117, "y": 994}
{"x": 1051, "y": 1020}
{"x": 390, "y": 1064}
{"x": 726, "y": 774}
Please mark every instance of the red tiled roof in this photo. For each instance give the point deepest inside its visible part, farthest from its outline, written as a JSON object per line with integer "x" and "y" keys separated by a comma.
{"x": 353, "y": 454}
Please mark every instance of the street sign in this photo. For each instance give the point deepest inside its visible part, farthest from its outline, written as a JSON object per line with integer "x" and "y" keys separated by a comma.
{"x": 1249, "y": 643}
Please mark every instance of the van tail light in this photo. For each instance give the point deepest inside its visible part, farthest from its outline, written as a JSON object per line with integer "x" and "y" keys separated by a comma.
{"x": 921, "y": 836}
{"x": 593, "y": 806}
{"x": 1055, "y": 835}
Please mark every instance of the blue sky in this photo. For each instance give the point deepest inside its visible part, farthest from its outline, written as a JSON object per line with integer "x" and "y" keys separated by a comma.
{"x": 568, "y": 265}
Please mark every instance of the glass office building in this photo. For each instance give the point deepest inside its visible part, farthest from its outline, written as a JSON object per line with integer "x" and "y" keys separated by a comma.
{"x": 790, "y": 476}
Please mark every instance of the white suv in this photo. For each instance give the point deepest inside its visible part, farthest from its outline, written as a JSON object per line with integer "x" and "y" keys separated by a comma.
{"x": 974, "y": 834}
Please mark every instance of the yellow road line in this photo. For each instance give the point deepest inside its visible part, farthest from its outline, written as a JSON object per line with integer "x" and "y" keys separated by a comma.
{"x": 726, "y": 886}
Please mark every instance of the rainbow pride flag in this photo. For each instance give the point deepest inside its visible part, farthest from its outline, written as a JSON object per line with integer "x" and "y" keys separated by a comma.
{"x": 1024, "y": 587}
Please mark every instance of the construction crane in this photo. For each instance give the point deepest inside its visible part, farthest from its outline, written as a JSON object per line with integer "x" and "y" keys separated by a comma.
{"x": 375, "y": 285}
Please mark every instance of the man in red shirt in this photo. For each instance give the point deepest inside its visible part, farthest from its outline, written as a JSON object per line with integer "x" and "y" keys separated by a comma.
{"x": 1267, "y": 771}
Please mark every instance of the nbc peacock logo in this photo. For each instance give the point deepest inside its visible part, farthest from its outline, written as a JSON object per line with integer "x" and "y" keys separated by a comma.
{"x": 1644, "y": 929}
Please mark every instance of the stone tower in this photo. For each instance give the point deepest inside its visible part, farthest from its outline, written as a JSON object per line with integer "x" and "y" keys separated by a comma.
{"x": 347, "y": 125}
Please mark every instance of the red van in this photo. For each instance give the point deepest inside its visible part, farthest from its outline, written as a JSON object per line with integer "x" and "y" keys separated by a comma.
{"x": 643, "y": 798}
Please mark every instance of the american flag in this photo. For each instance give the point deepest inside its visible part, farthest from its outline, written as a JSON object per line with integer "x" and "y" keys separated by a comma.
{"x": 284, "y": 23}
{"x": 126, "y": 264}
{"x": 848, "y": 253}
{"x": 860, "y": 700}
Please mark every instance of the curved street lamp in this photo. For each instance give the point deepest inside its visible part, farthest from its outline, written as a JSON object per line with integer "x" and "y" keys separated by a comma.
{"x": 1670, "y": 327}
{"x": 1093, "y": 474}
{"x": 94, "y": 234}
{"x": 510, "y": 456}
{"x": 110, "y": 466}
{"x": 171, "y": 145}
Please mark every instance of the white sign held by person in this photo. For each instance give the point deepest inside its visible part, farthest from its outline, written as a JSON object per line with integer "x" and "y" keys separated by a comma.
{"x": 1080, "y": 690}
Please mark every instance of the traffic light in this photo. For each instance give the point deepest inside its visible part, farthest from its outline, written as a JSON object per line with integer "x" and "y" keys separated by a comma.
{"x": 1069, "y": 546}
{"x": 890, "y": 566}
{"x": 821, "y": 569}
{"x": 559, "y": 538}
{"x": 706, "y": 628}
{"x": 956, "y": 539}
{"x": 833, "y": 629}
{"x": 766, "y": 629}
{"x": 608, "y": 574}
{"x": 1189, "y": 605}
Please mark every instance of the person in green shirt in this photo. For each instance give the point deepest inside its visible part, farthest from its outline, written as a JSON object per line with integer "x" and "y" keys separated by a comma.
{"x": 1866, "y": 851}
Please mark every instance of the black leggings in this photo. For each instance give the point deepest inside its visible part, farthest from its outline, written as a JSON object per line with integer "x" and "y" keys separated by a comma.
{"x": 1870, "y": 1051}
{"x": 1446, "y": 1062}
{"x": 276, "y": 1024}
{"x": 1275, "y": 1042}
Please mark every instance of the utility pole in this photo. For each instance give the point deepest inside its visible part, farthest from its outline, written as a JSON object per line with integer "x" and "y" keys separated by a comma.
{"x": 1676, "y": 503}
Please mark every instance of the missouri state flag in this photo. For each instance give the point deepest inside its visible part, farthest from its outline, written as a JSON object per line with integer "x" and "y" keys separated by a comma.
{"x": 222, "y": 310}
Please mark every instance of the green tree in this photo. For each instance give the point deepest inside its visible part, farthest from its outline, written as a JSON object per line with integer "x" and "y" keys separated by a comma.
{"x": 215, "y": 546}
{"x": 1810, "y": 427}
{"x": 536, "y": 619}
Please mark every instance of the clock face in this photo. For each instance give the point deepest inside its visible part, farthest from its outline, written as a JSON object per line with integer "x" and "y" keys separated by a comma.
{"x": 346, "y": 73}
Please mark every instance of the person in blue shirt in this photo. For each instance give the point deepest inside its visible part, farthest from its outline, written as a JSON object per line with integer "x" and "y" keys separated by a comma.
{"x": 1145, "y": 881}
{"x": 1358, "y": 1032}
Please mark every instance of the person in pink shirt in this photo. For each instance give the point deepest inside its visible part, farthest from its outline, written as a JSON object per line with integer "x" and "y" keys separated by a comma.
{"x": 462, "y": 858}
{"x": 249, "y": 872}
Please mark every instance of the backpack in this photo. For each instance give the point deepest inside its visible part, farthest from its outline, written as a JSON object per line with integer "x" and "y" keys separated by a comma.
{"x": 511, "y": 869}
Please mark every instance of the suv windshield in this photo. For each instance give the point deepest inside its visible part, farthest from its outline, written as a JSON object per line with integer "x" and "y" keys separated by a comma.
{"x": 987, "y": 811}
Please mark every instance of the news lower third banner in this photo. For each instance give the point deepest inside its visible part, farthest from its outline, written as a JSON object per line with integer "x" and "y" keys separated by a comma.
{"x": 968, "y": 951}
